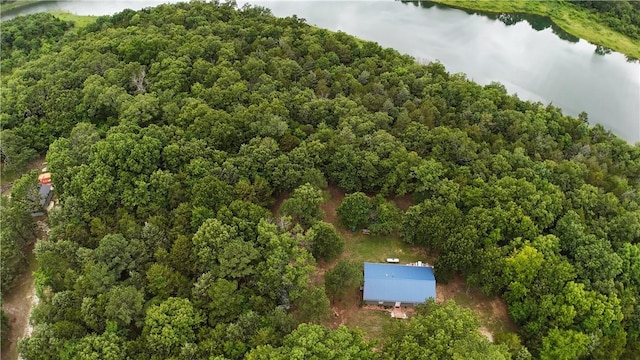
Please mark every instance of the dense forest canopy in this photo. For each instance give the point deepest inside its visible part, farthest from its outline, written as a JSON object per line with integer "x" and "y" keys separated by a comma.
{"x": 170, "y": 131}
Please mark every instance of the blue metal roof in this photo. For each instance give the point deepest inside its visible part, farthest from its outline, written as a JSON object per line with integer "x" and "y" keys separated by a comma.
{"x": 403, "y": 283}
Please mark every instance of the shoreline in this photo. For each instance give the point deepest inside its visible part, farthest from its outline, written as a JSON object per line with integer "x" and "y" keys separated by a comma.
{"x": 576, "y": 22}
{"x": 17, "y": 5}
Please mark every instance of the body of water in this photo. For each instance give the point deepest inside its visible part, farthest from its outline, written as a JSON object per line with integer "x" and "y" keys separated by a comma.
{"x": 537, "y": 61}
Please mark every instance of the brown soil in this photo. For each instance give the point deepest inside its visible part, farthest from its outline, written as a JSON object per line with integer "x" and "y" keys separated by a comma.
{"x": 344, "y": 309}
{"x": 402, "y": 202}
{"x": 493, "y": 312}
{"x": 329, "y": 207}
{"x": 448, "y": 291}
{"x": 18, "y": 303}
{"x": 486, "y": 333}
{"x": 17, "y": 306}
{"x": 5, "y": 189}
{"x": 373, "y": 319}
{"x": 275, "y": 209}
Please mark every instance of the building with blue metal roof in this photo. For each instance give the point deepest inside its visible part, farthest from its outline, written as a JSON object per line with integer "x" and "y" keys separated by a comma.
{"x": 389, "y": 284}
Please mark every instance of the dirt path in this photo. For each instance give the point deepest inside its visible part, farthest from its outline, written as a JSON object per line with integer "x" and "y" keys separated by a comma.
{"x": 329, "y": 207}
{"x": 17, "y": 305}
{"x": 19, "y": 302}
{"x": 5, "y": 189}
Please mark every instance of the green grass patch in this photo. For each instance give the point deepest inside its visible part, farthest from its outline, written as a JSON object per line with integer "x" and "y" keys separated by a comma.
{"x": 376, "y": 248}
{"x": 374, "y": 324}
{"x": 14, "y": 5}
{"x": 78, "y": 20}
{"x": 481, "y": 306}
{"x": 373, "y": 248}
{"x": 577, "y": 22}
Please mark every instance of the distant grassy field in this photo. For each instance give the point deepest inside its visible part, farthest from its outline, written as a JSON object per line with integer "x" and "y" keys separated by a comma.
{"x": 78, "y": 20}
{"x": 577, "y": 22}
{"x": 4, "y": 7}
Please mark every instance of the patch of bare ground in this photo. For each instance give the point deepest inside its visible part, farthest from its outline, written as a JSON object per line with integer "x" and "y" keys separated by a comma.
{"x": 275, "y": 209}
{"x": 329, "y": 207}
{"x": 17, "y": 306}
{"x": 492, "y": 311}
{"x": 486, "y": 333}
{"x": 372, "y": 320}
{"x": 402, "y": 202}
{"x": 21, "y": 299}
{"x": 375, "y": 320}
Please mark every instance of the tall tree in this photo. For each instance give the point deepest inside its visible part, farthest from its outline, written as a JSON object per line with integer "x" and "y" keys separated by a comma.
{"x": 304, "y": 205}
{"x": 355, "y": 210}
{"x": 345, "y": 276}
{"x": 170, "y": 326}
{"x": 326, "y": 241}
{"x": 317, "y": 342}
{"x": 564, "y": 345}
{"x": 441, "y": 331}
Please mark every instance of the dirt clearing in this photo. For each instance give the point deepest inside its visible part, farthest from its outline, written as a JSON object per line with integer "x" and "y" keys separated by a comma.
{"x": 21, "y": 299}
{"x": 493, "y": 312}
{"x": 17, "y": 305}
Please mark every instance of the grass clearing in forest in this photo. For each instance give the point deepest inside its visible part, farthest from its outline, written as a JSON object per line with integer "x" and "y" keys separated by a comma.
{"x": 79, "y": 21}
{"x": 374, "y": 248}
{"x": 493, "y": 313}
{"x": 374, "y": 321}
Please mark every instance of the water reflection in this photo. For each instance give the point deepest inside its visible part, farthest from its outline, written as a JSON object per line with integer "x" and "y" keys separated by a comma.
{"x": 537, "y": 65}
{"x": 602, "y": 50}
{"x": 537, "y": 22}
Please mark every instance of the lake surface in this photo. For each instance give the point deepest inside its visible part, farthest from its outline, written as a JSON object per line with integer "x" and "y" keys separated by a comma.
{"x": 537, "y": 61}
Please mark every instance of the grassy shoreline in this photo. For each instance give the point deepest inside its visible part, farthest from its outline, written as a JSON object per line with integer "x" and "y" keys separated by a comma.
{"x": 574, "y": 21}
{"x": 12, "y": 6}
{"x": 78, "y": 20}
